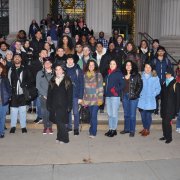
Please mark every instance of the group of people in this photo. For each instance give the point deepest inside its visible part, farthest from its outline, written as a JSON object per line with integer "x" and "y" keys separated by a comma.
{"x": 76, "y": 69}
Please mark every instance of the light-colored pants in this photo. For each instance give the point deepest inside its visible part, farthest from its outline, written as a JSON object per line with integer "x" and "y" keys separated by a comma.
{"x": 22, "y": 116}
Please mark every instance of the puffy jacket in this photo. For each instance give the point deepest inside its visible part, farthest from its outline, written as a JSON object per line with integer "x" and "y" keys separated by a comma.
{"x": 135, "y": 86}
{"x": 114, "y": 83}
{"x": 151, "y": 88}
{"x": 5, "y": 91}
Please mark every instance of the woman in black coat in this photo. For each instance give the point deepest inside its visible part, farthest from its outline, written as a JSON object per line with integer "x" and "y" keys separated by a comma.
{"x": 59, "y": 101}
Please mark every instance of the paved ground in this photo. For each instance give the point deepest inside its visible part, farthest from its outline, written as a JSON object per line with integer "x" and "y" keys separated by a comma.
{"x": 36, "y": 156}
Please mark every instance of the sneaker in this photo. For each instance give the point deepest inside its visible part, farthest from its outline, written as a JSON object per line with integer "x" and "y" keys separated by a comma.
{"x": 38, "y": 120}
{"x": 178, "y": 130}
{"x": 61, "y": 142}
{"x": 13, "y": 129}
{"x": 29, "y": 110}
{"x": 91, "y": 136}
{"x": 50, "y": 131}
{"x": 76, "y": 132}
{"x": 69, "y": 130}
{"x": 101, "y": 111}
{"x": 2, "y": 136}
{"x": 45, "y": 131}
{"x": 24, "y": 130}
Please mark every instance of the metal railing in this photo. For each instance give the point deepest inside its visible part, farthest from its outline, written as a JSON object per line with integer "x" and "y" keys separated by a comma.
{"x": 149, "y": 39}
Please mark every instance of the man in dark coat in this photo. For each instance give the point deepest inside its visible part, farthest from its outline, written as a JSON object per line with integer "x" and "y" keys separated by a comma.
{"x": 19, "y": 77}
{"x": 168, "y": 105}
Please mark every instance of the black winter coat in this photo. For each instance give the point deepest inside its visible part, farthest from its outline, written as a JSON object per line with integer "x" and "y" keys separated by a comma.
{"x": 177, "y": 91}
{"x": 135, "y": 86}
{"x": 59, "y": 100}
{"x": 168, "y": 101}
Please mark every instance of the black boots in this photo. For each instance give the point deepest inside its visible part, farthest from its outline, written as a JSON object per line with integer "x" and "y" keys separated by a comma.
{"x": 111, "y": 133}
{"x": 13, "y": 129}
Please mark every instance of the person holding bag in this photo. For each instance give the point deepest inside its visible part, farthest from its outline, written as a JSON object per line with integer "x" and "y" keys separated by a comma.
{"x": 59, "y": 101}
{"x": 93, "y": 93}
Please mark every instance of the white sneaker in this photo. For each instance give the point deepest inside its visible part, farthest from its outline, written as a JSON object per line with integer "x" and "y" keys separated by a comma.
{"x": 177, "y": 129}
{"x": 61, "y": 142}
{"x": 91, "y": 136}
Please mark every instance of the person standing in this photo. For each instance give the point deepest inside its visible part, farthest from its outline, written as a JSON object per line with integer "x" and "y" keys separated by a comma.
{"x": 131, "y": 92}
{"x": 5, "y": 95}
{"x": 114, "y": 84}
{"x": 59, "y": 101}
{"x": 19, "y": 77}
{"x": 42, "y": 82}
{"x": 168, "y": 105}
{"x": 147, "y": 101}
{"x": 76, "y": 75}
{"x": 93, "y": 93}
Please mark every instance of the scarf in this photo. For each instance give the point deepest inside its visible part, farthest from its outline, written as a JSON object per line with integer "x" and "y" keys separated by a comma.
{"x": 90, "y": 74}
{"x": 144, "y": 50}
{"x": 111, "y": 71}
{"x": 168, "y": 80}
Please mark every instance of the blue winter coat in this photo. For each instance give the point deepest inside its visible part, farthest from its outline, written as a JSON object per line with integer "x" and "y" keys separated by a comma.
{"x": 114, "y": 80}
{"x": 151, "y": 88}
{"x": 77, "y": 78}
{"x": 5, "y": 91}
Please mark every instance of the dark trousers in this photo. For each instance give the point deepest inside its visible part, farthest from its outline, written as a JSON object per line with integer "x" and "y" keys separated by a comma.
{"x": 167, "y": 128}
{"x": 62, "y": 132}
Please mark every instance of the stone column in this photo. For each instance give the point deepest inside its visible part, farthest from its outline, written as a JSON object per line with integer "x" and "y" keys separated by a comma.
{"x": 46, "y": 7}
{"x": 141, "y": 18}
{"x": 99, "y": 15}
{"x": 21, "y": 13}
{"x": 154, "y": 18}
{"x": 170, "y": 27}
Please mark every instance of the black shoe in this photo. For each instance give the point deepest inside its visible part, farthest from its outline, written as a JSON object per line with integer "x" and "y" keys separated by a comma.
{"x": 156, "y": 111}
{"x": 162, "y": 139}
{"x": 108, "y": 133}
{"x": 5, "y": 127}
{"x": 38, "y": 120}
{"x": 24, "y": 130}
{"x": 168, "y": 141}
{"x": 13, "y": 129}
{"x": 29, "y": 110}
{"x": 124, "y": 132}
{"x": 76, "y": 132}
{"x": 113, "y": 133}
{"x": 33, "y": 110}
{"x": 2, "y": 136}
{"x": 69, "y": 130}
{"x": 131, "y": 134}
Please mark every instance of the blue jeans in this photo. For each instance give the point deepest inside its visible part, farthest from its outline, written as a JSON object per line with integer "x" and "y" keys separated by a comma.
{"x": 129, "y": 107}
{"x": 76, "y": 115}
{"x": 3, "y": 111}
{"x": 37, "y": 103}
{"x": 113, "y": 104}
{"x": 22, "y": 116}
{"x": 178, "y": 121}
{"x": 93, "y": 120}
{"x": 146, "y": 117}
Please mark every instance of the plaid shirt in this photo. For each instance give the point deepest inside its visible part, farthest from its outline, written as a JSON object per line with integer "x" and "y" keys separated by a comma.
{"x": 104, "y": 41}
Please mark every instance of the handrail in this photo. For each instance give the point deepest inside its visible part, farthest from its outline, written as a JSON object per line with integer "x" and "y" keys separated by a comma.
{"x": 150, "y": 41}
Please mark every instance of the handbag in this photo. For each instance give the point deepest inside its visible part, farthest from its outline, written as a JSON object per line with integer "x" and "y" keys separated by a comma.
{"x": 84, "y": 115}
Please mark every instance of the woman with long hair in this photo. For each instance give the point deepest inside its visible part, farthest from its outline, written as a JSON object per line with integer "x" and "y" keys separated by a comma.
{"x": 131, "y": 92}
{"x": 5, "y": 95}
{"x": 93, "y": 93}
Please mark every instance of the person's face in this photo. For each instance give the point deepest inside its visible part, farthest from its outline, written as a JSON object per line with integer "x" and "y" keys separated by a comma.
{"x": 67, "y": 30}
{"x": 47, "y": 64}
{"x": 101, "y": 34}
{"x": 65, "y": 40}
{"x": 86, "y": 51}
{"x": 47, "y": 46}
{"x": 92, "y": 41}
{"x": 58, "y": 71}
{"x": 119, "y": 40}
{"x": 9, "y": 56}
{"x": 38, "y": 35}
{"x": 143, "y": 45}
{"x": 26, "y": 45}
{"x": 113, "y": 65}
{"x": 79, "y": 48}
{"x": 43, "y": 54}
{"x": 77, "y": 37}
{"x": 33, "y": 21}
{"x": 155, "y": 45}
{"x": 83, "y": 38}
{"x": 91, "y": 66}
{"x": 48, "y": 39}
{"x": 111, "y": 46}
{"x": 147, "y": 69}
{"x": 99, "y": 48}
{"x": 18, "y": 46}
{"x": 17, "y": 60}
{"x": 60, "y": 52}
{"x": 70, "y": 61}
{"x": 3, "y": 47}
{"x": 161, "y": 52}
{"x": 129, "y": 47}
{"x": 21, "y": 35}
{"x": 168, "y": 76}
{"x": 128, "y": 66}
